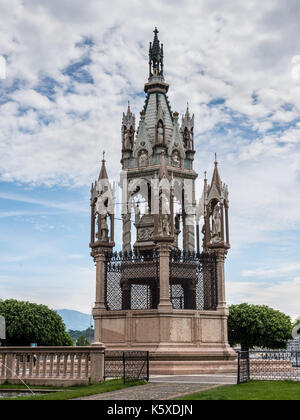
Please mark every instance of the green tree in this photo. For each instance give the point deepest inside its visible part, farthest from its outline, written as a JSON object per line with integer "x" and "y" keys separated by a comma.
{"x": 258, "y": 326}
{"x": 82, "y": 341}
{"x": 31, "y": 323}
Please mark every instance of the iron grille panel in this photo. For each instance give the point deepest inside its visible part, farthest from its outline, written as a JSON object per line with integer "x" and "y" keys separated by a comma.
{"x": 129, "y": 365}
{"x": 131, "y": 281}
{"x": 243, "y": 367}
{"x": 270, "y": 366}
{"x": 193, "y": 281}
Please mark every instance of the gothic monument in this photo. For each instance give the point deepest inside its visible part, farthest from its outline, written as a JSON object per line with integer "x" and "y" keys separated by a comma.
{"x": 166, "y": 291}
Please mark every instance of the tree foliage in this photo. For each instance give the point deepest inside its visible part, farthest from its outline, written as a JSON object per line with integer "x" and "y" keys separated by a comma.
{"x": 28, "y": 323}
{"x": 82, "y": 341}
{"x": 88, "y": 334}
{"x": 258, "y": 326}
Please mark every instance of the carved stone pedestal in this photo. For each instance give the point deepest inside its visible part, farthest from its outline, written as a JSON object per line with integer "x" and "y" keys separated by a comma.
{"x": 179, "y": 341}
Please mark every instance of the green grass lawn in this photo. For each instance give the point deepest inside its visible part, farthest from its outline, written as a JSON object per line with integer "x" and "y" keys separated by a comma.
{"x": 254, "y": 390}
{"x": 72, "y": 392}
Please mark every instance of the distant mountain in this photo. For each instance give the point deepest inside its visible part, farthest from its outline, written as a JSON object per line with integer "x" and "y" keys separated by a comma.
{"x": 75, "y": 320}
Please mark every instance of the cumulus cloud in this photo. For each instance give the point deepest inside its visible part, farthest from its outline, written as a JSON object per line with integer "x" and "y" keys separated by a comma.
{"x": 296, "y": 67}
{"x": 71, "y": 67}
{"x": 2, "y": 68}
{"x": 283, "y": 296}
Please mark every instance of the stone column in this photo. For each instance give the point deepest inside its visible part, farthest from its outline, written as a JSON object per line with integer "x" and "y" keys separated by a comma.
{"x": 100, "y": 280}
{"x": 126, "y": 232}
{"x": 221, "y": 251}
{"x": 97, "y": 363}
{"x": 164, "y": 249}
{"x": 99, "y": 251}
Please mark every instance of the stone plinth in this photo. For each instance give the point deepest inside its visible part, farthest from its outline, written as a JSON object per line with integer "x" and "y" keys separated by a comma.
{"x": 179, "y": 341}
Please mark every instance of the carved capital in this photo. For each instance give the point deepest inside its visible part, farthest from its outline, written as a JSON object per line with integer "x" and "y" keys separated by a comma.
{"x": 99, "y": 250}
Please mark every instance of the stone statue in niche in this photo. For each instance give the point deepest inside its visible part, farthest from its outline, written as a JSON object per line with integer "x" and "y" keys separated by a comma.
{"x": 216, "y": 224}
{"x": 164, "y": 226}
{"x": 104, "y": 229}
{"x": 176, "y": 159}
{"x": 128, "y": 138}
{"x": 143, "y": 161}
{"x": 187, "y": 139}
{"x": 160, "y": 133}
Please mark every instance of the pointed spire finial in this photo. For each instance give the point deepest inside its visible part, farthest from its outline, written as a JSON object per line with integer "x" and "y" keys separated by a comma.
{"x": 216, "y": 179}
{"x": 103, "y": 173}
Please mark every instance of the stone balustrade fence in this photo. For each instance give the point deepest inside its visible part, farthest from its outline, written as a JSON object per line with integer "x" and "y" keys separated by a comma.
{"x": 53, "y": 366}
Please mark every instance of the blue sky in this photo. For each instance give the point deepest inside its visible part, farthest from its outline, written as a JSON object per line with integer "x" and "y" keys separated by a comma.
{"x": 72, "y": 66}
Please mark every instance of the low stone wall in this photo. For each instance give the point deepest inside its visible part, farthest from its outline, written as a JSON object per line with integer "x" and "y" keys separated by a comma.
{"x": 52, "y": 366}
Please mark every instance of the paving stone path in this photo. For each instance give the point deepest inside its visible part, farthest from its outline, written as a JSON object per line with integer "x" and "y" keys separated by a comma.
{"x": 154, "y": 391}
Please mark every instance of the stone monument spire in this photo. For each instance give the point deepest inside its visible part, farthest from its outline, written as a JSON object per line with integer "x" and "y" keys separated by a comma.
{"x": 159, "y": 294}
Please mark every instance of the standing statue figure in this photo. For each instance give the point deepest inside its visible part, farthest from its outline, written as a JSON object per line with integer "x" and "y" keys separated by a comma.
{"x": 216, "y": 224}
{"x": 164, "y": 230}
{"x": 176, "y": 160}
{"x": 143, "y": 159}
{"x": 104, "y": 229}
{"x": 128, "y": 138}
{"x": 160, "y": 133}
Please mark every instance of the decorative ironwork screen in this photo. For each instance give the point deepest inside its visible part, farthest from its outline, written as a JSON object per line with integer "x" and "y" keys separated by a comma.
{"x": 129, "y": 365}
{"x": 131, "y": 281}
{"x": 193, "y": 281}
{"x": 243, "y": 367}
{"x": 269, "y": 366}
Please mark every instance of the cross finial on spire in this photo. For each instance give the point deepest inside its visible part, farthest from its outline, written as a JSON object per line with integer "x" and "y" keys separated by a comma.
{"x": 103, "y": 160}
{"x": 156, "y": 54}
{"x": 216, "y": 162}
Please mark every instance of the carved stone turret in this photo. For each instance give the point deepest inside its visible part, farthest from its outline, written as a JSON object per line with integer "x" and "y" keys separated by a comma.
{"x": 187, "y": 132}
{"x": 102, "y": 209}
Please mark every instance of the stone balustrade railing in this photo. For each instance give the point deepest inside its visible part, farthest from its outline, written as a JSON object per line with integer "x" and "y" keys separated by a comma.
{"x": 58, "y": 366}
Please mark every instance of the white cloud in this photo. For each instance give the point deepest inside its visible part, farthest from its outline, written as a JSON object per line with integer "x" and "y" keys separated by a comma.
{"x": 296, "y": 67}
{"x": 283, "y": 296}
{"x": 245, "y": 53}
{"x": 272, "y": 272}
{"x": 2, "y": 68}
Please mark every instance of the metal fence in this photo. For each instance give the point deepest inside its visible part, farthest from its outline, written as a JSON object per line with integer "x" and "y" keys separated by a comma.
{"x": 131, "y": 281}
{"x": 243, "y": 367}
{"x": 129, "y": 365}
{"x": 269, "y": 366}
{"x": 193, "y": 281}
